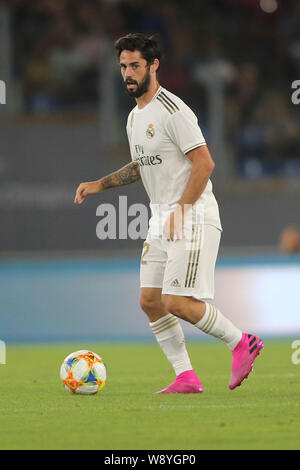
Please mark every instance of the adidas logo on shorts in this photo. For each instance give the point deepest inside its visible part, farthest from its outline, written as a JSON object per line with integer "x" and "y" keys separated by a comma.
{"x": 175, "y": 283}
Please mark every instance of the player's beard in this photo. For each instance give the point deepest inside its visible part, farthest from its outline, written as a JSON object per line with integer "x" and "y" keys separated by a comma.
{"x": 141, "y": 88}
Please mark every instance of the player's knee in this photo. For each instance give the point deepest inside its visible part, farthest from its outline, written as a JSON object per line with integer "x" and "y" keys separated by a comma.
{"x": 148, "y": 304}
{"x": 172, "y": 304}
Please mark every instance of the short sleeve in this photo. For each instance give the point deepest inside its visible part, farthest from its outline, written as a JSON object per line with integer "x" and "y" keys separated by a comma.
{"x": 184, "y": 131}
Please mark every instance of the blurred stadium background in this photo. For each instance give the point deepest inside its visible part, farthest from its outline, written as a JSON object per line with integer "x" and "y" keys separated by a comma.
{"x": 233, "y": 63}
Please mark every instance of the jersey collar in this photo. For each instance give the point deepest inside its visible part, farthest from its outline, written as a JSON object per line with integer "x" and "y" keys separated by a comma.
{"x": 137, "y": 110}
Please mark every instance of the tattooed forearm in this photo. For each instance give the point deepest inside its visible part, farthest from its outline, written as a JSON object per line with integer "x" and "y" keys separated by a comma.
{"x": 126, "y": 175}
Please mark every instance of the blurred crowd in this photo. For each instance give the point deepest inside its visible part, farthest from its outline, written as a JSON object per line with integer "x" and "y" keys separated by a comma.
{"x": 57, "y": 59}
{"x": 289, "y": 240}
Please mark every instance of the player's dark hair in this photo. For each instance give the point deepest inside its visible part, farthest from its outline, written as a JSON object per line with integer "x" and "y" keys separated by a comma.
{"x": 147, "y": 45}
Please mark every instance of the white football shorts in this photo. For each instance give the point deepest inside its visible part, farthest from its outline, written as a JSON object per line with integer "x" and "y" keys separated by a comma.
{"x": 182, "y": 267}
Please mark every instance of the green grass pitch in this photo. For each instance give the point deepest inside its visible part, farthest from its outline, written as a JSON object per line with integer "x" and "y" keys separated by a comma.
{"x": 37, "y": 413}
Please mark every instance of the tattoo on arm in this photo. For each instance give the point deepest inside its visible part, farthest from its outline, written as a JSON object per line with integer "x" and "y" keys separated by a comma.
{"x": 126, "y": 175}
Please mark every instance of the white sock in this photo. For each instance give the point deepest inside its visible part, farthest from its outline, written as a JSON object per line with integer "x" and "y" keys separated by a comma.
{"x": 170, "y": 337}
{"x": 215, "y": 324}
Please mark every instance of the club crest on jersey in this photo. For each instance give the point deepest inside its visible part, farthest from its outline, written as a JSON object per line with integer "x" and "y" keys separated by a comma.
{"x": 150, "y": 131}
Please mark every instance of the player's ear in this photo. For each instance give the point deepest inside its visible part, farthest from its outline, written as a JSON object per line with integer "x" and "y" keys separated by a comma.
{"x": 154, "y": 66}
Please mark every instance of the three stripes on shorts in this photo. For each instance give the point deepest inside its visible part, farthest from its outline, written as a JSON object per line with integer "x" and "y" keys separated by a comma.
{"x": 193, "y": 257}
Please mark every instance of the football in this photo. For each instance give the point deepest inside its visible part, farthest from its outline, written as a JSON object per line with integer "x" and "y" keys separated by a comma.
{"x": 83, "y": 372}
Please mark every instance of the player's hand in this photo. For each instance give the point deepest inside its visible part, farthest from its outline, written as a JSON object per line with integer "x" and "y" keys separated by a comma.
{"x": 173, "y": 228}
{"x": 84, "y": 189}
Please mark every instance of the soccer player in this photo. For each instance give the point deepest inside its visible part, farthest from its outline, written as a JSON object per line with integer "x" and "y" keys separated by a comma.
{"x": 170, "y": 155}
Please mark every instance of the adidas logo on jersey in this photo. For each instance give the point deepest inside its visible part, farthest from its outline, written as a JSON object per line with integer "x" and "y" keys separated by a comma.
{"x": 175, "y": 283}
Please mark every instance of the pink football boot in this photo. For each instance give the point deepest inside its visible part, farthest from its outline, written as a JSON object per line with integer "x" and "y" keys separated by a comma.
{"x": 243, "y": 357}
{"x": 186, "y": 382}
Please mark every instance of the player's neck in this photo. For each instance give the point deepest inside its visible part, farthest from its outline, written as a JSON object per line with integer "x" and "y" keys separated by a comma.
{"x": 143, "y": 100}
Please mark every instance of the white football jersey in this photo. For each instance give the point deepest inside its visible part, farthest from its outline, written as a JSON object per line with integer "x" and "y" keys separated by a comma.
{"x": 160, "y": 134}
